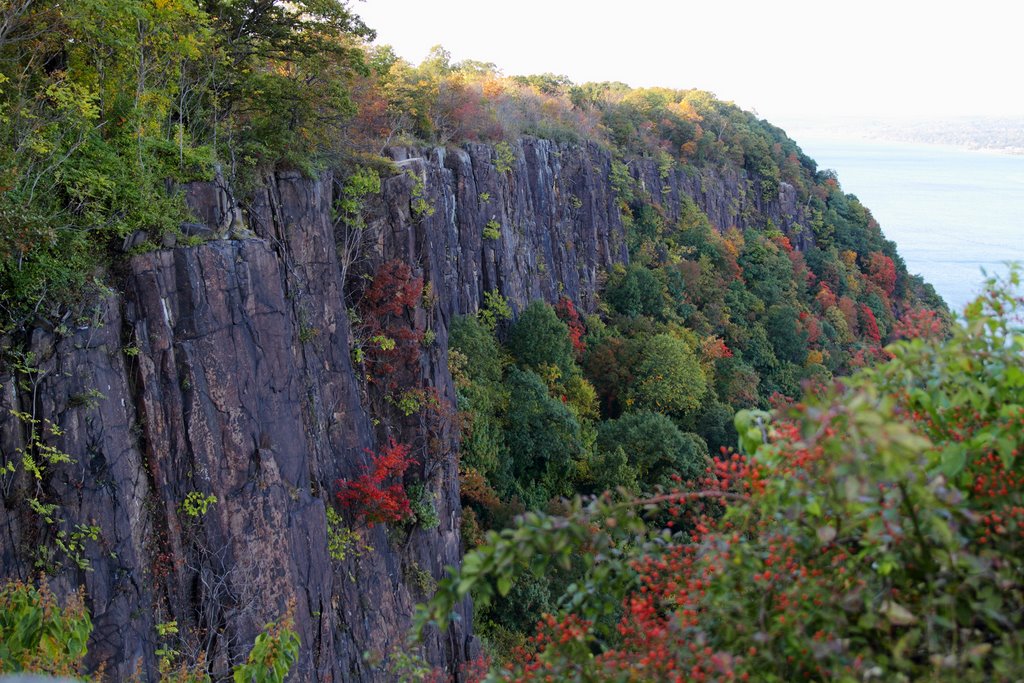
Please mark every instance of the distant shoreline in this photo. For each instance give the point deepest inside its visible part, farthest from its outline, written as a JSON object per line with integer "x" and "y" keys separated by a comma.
{"x": 1013, "y": 150}
{"x": 1003, "y": 135}
{"x": 951, "y": 210}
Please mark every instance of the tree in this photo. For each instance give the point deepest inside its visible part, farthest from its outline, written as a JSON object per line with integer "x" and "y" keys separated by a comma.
{"x": 539, "y": 339}
{"x": 476, "y": 361}
{"x": 608, "y": 367}
{"x": 638, "y": 292}
{"x": 882, "y": 271}
{"x": 788, "y": 337}
{"x": 655, "y": 448}
{"x": 482, "y": 351}
{"x": 543, "y": 438}
{"x": 668, "y": 377}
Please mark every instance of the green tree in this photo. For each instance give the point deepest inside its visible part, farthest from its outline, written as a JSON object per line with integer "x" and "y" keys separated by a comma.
{"x": 483, "y": 354}
{"x": 539, "y": 338}
{"x": 637, "y": 292}
{"x": 655, "y": 448}
{"x": 668, "y": 377}
{"x": 543, "y": 438}
{"x": 787, "y": 336}
{"x": 477, "y": 360}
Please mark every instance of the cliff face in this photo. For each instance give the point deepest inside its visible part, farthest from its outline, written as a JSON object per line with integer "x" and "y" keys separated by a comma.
{"x": 225, "y": 370}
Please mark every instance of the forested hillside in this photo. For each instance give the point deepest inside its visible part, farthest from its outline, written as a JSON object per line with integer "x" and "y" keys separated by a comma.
{"x": 290, "y": 324}
{"x": 106, "y": 106}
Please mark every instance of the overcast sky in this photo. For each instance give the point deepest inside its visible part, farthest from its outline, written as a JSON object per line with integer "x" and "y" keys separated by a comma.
{"x": 782, "y": 59}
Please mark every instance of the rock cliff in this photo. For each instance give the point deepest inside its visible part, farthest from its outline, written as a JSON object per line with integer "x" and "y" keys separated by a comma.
{"x": 224, "y": 372}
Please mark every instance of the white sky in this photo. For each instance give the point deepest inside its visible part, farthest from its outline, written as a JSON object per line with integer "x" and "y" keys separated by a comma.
{"x": 783, "y": 59}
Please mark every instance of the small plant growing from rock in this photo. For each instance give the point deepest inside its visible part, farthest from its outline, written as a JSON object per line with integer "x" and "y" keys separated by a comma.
{"x": 421, "y": 502}
{"x": 492, "y": 230}
{"x": 494, "y": 310}
{"x": 419, "y": 577}
{"x": 87, "y": 399}
{"x": 342, "y": 541}
{"x": 504, "y": 157}
{"x": 196, "y": 504}
{"x": 421, "y": 208}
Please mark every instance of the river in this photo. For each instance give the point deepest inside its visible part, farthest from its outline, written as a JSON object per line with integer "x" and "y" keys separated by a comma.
{"x": 951, "y": 212}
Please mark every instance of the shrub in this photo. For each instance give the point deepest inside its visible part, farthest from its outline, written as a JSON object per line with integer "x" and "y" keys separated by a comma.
{"x": 492, "y": 230}
{"x": 40, "y": 636}
{"x": 370, "y": 497}
{"x": 421, "y": 505}
{"x": 504, "y": 157}
{"x": 342, "y": 541}
{"x": 37, "y": 635}
{"x": 388, "y": 322}
{"x": 494, "y": 310}
{"x": 872, "y": 532}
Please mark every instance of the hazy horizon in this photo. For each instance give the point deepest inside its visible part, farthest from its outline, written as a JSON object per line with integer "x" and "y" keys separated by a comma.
{"x": 782, "y": 60}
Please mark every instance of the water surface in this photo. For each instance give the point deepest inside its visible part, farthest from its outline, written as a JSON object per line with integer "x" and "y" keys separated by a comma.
{"x": 950, "y": 211}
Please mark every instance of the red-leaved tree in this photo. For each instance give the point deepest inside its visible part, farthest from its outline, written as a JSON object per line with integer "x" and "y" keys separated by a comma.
{"x": 370, "y": 496}
{"x": 922, "y": 323}
{"x": 869, "y": 325}
{"x": 567, "y": 313}
{"x": 882, "y": 271}
{"x": 393, "y": 340}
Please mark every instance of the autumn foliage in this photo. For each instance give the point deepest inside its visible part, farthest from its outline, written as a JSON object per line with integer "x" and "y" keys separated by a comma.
{"x": 873, "y": 530}
{"x": 378, "y": 495}
{"x": 391, "y": 338}
{"x": 565, "y": 309}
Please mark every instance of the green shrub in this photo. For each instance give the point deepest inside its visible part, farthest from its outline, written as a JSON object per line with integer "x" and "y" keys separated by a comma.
{"x": 421, "y": 502}
{"x": 504, "y": 157}
{"x": 38, "y": 635}
{"x": 492, "y": 230}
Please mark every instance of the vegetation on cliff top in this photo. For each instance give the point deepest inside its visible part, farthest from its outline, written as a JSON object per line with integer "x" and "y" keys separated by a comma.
{"x": 106, "y": 106}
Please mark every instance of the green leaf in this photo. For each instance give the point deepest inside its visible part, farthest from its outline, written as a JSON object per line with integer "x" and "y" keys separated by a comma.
{"x": 953, "y": 459}
{"x": 465, "y": 585}
{"x": 897, "y": 614}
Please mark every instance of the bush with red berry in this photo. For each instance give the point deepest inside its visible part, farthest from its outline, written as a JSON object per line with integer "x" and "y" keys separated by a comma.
{"x": 873, "y": 531}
